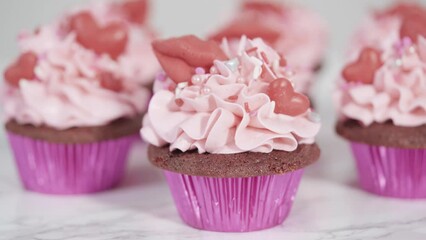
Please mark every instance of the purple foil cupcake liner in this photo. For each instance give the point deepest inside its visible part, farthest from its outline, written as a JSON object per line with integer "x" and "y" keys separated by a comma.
{"x": 56, "y": 168}
{"x": 391, "y": 172}
{"x": 234, "y": 204}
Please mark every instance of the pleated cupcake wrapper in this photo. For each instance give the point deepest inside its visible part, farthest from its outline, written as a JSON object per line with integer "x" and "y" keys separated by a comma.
{"x": 234, "y": 204}
{"x": 391, "y": 172}
{"x": 56, "y": 168}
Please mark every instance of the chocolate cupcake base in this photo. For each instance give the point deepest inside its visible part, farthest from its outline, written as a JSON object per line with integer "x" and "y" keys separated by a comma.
{"x": 116, "y": 129}
{"x": 248, "y": 164}
{"x": 383, "y": 134}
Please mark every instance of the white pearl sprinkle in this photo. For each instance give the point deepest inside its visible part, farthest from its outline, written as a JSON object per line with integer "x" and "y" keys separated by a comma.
{"x": 197, "y": 79}
{"x": 240, "y": 80}
{"x": 205, "y": 90}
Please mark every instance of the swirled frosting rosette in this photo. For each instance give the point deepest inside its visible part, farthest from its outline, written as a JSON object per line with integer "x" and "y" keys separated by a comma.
{"x": 226, "y": 99}
{"x": 89, "y": 68}
{"x": 386, "y": 85}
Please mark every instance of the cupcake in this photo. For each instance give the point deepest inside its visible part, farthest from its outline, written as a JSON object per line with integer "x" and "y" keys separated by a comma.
{"x": 295, "y": 32}
{"x": 382, "y": 28}
{"x": 74, "y": 99}
{"x": 230, "y": 132}
{"x": 382, "y": 105}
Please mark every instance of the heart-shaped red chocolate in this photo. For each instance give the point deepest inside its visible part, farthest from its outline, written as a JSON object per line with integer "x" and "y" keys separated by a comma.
{"x": 364, "y": 68}
{"x": 135, "y": 10}
{"x": 252, "y": 28}
{"x": 263, "y": 7}
{"x": 108, "y": 81}
{"x": 287, "y": 101}
{"x": 110, "y": 39}
{"x": 413, "y": 27}
{"x": 23, "y": 68}
{"x": 180, "y": 56}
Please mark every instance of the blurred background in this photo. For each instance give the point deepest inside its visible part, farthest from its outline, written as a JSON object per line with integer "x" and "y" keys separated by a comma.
{"x": 173, "y": 17}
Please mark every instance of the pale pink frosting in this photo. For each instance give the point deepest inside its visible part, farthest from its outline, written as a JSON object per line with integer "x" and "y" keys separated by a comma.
{"x": 379, "y": 33}
{"x": 66, "y": 92}
{"x": 398, "y": 92}
{"x": 305, "y": 37}
{"x": 230, "y": 112}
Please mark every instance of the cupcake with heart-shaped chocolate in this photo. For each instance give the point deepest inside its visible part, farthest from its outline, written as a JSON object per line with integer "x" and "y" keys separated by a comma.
{"x": 382, "y": 105}
{"x": 295, "y": 32}
{"x": 75, "y": 97}
{"x": 230, "y": 132}
{"x": 382, "y": 28}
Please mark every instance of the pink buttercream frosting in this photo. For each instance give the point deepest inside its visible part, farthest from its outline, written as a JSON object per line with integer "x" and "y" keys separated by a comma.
{"x": 227, "y": 110}
{"x": 378, "y": 33}
{"x": 67, "y": 92}
{"x": 303, "y": 37}
{"x": 398, "y": 92}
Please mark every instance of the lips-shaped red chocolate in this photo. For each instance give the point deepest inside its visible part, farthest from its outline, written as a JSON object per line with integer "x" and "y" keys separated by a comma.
{"x": 263, "y": 7}
{"x": 413, "y": 27}
{"x": 179, "y": 57}
{"x": 252, "y": 28}
{"x": 413, "y": 18}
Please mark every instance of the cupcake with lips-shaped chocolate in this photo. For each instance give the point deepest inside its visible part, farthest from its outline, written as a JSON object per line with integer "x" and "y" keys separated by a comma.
{"x": 74, "y": 97}
{"x": 295, "y": 32}
{"x": 383, "y": 28}
{"x": 230, "y": 132}
{"x": 382, "y": 105}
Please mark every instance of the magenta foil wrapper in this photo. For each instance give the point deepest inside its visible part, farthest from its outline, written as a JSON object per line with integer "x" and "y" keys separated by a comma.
{"x": 391, "y": 172}
{"x": 234, "y": 204}
{"x": 55, "y": 168}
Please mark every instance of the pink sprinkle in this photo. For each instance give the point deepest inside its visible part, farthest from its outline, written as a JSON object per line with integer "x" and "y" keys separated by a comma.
{"x": 179, "y": 102}
{"x": 200, "y": 70}
{"x": 265, "y": 58}
{"x": 233, "y": 98}
{"x": 251, "y": 50}
{"x": 247, "y": 107}
{"x": 161, "y": 76}
{"x": 345, "y": 86}
{"x": 406, "y": 42}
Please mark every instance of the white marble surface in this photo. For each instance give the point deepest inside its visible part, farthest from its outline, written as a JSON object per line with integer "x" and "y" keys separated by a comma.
{"x": 329, "y": 204}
